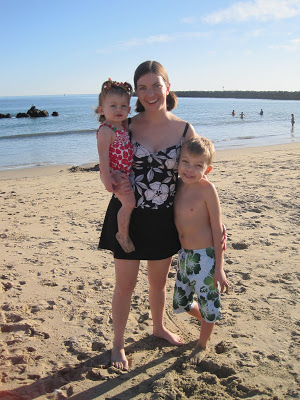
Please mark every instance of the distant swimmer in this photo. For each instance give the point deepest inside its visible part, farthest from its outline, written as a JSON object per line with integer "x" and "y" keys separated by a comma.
{"x": 242, "y": 115}
{"x": 261, "y": 112}
{"x": 292, "y": 119}
{"x": 233, "y": 113}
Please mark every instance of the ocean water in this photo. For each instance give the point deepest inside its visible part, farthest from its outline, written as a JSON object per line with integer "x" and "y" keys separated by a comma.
{"x": 70, "y": 138}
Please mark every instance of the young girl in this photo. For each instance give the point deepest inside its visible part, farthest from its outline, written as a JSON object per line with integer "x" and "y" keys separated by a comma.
{"x": 116, "y": 152}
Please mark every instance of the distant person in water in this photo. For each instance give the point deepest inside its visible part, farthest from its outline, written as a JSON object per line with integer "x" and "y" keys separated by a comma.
{"x": 261, "y": 112}
{"x": 292, "y": 119}
{"x": 233, "y": 113}
{"x": 242, "y": 115}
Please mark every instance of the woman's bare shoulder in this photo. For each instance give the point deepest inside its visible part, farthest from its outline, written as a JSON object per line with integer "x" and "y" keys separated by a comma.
{"x": 182, "y": 123}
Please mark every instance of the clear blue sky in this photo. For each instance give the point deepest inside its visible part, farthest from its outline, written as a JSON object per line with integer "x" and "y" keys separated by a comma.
{"x": 72, "y": 46}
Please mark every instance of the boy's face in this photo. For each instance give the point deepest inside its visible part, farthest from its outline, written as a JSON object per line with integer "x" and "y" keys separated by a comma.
{"x": 192, "y": 168}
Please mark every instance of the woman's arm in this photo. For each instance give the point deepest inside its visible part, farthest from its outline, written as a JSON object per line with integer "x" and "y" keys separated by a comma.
{"x": 104, "y": 140}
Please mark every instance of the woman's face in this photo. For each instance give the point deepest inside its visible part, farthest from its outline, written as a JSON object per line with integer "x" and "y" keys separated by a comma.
{"x": 152, "y": 92}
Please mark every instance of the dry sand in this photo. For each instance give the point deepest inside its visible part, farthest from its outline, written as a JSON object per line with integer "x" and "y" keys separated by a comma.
{"x": 56, "y": 291}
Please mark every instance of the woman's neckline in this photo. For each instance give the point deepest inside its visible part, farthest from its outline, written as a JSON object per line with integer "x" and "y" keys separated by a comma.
{"x": 164, "y": 150}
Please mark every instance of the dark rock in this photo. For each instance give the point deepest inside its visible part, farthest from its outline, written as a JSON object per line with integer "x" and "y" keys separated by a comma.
{"x": 5, "y": 115}
{"x": 55, "y": 114}
{"x": 22, "y": 115}
{"x": 36, "y": 113}
{"x": 76, "y": 168}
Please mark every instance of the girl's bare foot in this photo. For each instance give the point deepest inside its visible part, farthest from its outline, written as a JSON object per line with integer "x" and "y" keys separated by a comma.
{"x": 125, "y": 242}
{"x": 169, "y": 336}
{"x": 118, "y": 359}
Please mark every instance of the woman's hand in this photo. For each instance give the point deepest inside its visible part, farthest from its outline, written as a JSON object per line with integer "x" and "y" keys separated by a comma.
{"x": 121, "y": 184}
{"x": 108, "y": 181}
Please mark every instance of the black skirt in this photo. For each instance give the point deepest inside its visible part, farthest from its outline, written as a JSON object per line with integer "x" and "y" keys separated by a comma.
{"x": 153, "y": 233}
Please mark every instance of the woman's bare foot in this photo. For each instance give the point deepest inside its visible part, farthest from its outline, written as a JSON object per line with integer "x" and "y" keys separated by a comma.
{"x": 169, "y": 336}
{"x": 118, "y": 359}
{"x": 197, "y": 355}
{"x": 125, "y": 242}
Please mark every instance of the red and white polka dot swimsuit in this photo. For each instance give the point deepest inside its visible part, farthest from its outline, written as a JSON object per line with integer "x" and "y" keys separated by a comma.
{"x": 120, "y": 151}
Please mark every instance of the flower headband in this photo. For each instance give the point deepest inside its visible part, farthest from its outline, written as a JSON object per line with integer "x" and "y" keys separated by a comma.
{"x": 124, "y": 85}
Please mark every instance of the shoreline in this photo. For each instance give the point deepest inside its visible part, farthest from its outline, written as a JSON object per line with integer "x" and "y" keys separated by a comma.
{"x": 33, "y": 171}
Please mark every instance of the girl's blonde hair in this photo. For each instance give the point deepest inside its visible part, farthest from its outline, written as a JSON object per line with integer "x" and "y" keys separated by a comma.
{"x": 113, "y": 87}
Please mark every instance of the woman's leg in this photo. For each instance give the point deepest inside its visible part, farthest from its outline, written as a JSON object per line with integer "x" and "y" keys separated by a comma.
{"x": 126, "y": 274}
{"x": 157, "y": 277}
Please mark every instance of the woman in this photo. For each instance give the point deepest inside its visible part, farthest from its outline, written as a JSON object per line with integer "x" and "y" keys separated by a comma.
{"x": 157, "y": 136}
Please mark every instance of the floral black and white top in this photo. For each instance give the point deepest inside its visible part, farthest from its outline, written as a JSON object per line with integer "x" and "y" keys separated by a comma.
{"x": 154, "y": 174}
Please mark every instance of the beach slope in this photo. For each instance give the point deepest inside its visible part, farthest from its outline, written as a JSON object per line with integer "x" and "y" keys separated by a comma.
{"x": 56, "y": 291}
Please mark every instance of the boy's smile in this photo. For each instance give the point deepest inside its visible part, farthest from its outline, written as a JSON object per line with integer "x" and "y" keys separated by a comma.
{"x": 192, "y": 167}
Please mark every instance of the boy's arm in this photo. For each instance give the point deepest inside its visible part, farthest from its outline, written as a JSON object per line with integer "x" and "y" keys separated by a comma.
{"x": 214, "y": 211}
{"x": 104, "y": 140}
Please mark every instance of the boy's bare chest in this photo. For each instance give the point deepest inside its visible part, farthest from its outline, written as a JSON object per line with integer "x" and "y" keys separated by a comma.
{"x": 189, "y": 203}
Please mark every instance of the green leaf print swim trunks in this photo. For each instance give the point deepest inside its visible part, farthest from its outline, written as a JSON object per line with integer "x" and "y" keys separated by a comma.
{"x": 195, "y": 275}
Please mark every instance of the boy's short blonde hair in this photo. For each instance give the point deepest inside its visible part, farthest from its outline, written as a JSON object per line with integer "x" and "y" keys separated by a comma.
{"x": 199, "y": 145}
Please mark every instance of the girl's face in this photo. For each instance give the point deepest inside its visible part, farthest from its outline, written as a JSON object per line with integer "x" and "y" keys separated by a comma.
{"x": 152, "y": 92}
{"x": 115, "y": 107}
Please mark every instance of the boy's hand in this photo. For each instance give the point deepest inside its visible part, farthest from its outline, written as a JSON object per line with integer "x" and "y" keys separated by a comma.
{"x": 220, "y": 277}
{"x": 224, "y": 238}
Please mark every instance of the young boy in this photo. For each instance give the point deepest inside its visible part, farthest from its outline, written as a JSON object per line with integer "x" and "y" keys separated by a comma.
{"x": 200, "y": 260}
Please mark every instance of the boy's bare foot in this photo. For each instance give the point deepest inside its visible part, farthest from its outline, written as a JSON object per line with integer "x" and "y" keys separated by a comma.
{"x": 118, "y": 359}
{"x": 169, "y": 336}
{"x": 125, "y": 243}
{"x": 197, "y": 355}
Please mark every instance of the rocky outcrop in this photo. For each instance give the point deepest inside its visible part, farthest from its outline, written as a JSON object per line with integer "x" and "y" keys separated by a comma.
{"x": 22, "y": 115}
{"x": 33, "y": 112}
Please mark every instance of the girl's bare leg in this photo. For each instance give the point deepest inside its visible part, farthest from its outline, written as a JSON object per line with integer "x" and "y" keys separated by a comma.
{"x": 124, "y": 214}
{"x": 128, "y": 203}
{"x": 126, "y": 274}
{"x": 157, "y": 277}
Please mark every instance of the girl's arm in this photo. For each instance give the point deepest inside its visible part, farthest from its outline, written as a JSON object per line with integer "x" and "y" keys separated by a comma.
{"x": 105, "y": 137}
{"x": 214, "y": 210}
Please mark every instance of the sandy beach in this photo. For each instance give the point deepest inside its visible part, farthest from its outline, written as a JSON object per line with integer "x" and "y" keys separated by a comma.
{"x": 56, "y": 291}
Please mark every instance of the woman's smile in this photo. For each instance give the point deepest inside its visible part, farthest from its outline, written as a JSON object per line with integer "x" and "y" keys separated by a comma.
{"x": 152, "y": 90}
